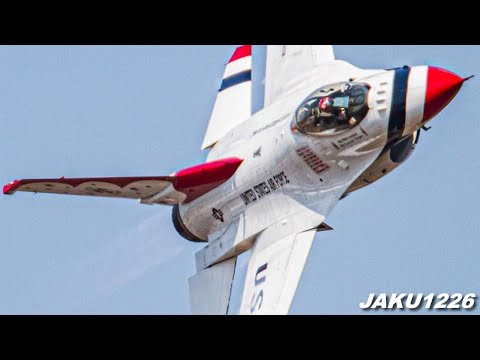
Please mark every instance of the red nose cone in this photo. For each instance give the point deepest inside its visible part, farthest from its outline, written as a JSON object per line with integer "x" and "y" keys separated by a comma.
{"x": 442, "y": 86}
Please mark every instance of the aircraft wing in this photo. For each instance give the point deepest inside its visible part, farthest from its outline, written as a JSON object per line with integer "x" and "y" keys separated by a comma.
{"x": 274, "y": 271}
{"x": 277, "y": 258}
{"x": 182, "y": 187}
{"x": 287, "y": 64}
{"x": 269, "y": 281}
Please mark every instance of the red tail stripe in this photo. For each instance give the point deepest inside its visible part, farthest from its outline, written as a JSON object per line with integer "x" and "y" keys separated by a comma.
{"x": 241, "y": 52}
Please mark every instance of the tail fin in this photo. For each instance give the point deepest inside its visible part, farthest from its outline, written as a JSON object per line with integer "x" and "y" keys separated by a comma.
{"x": 287, "y": 64}
{"x": 234, "y": 100}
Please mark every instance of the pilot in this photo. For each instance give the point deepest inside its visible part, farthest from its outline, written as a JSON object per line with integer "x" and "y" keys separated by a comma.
{"x": 325, "y": 106}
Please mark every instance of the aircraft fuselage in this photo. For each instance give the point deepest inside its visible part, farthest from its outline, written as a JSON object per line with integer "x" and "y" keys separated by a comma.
{"x": 285, "y": 171}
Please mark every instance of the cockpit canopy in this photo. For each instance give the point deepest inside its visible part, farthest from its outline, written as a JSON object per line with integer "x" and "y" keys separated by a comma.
{"x": 332, "y": 109}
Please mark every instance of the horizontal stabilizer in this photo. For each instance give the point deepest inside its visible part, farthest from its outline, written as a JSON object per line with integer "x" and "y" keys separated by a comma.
{"x": 182, "y": 187}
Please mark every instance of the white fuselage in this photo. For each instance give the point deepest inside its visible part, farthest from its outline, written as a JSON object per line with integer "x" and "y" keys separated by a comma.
{"x": 284, "y": 172}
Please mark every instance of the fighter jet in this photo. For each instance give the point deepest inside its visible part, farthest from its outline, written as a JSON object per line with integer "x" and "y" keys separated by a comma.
{"x": 327, "y": 129}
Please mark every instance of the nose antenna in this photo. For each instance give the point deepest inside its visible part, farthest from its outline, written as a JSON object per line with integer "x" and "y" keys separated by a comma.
{"x": 468, "y": 78}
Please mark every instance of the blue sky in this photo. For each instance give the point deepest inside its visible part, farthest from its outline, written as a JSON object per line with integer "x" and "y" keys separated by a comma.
{"x": 80, "y": 111}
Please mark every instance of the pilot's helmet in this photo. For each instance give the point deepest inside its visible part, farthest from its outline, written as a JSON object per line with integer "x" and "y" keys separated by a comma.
{"x": 325, "y": 103}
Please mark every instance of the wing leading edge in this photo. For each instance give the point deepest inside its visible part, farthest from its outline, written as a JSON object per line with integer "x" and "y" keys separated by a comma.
{"x": 182, "y": 187}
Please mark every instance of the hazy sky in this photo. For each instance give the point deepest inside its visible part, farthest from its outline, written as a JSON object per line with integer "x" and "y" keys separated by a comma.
{"x": 79, "y": 111}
